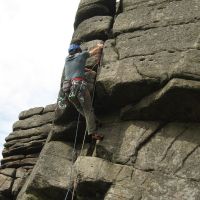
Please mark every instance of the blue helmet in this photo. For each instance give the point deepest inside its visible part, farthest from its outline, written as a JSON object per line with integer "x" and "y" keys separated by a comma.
{"x": 73, "y": 48}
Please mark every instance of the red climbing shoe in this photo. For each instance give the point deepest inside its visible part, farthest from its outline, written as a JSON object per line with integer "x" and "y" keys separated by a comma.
{"x": 97, "y": 136}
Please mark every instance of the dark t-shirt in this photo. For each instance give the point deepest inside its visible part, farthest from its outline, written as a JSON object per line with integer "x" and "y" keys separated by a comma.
{"x": 74, "y": 65}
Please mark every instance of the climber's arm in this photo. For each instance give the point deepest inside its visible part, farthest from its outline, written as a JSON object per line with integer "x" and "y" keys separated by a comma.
{"x": 96, "y": 49}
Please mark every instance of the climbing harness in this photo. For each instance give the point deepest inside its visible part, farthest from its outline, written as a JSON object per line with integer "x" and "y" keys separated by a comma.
{"x": 78, "y": 90}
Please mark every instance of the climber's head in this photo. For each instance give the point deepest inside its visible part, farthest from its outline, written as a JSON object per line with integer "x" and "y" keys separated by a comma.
{"x": 74, "y": 48}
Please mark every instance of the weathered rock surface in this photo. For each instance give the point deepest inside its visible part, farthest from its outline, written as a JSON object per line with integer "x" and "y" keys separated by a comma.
{"x": 52, "y": 175}
{"x": 172, "y": 150}
{"x": 149, "y": 77}
{"x": 30, "y": 112}
{"x": 24, "y": 134}
{"x": 22, "y": 148}
{"x": 34, "y": 121}
{"x": 99, "y": 30}
{"x": 45, "y": 183}
{"x": 178, "y": 100}
{"x": 124, "y": 139}
{"x": 119, "y": 83}
{"x": 6, "y": 184}
{"x": 142, "y": 18}
{"x": 49, "y": 108}
{"x": 112, "y": 181}
{"x": 175, "y": 38}
{"x": 91, "y": 8}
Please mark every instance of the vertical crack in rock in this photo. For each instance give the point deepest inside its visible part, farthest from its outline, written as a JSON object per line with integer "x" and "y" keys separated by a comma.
{"x": 116, "y": 49}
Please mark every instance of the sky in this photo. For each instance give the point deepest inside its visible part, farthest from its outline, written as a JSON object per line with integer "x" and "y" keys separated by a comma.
{"x": 34, "y": 38}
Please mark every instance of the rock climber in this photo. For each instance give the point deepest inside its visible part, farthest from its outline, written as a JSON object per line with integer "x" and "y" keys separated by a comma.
{"x": 75, "y": 86}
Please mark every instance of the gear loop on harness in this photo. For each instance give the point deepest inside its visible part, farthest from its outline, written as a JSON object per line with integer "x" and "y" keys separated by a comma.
{"x": 77, "y": 90}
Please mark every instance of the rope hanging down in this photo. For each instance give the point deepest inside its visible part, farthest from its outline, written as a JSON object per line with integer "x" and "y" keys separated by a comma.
{"x": 98, "y": 64}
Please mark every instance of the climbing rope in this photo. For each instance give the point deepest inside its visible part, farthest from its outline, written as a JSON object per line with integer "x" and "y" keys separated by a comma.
{"x": 98, "y": 64}
{"x": 73, "y": 153}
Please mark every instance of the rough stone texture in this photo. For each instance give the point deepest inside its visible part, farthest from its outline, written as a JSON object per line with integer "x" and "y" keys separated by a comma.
{"x": 67, "y": 132}
{"x": 112, "y": 181}
{"x": 30, "y": 147}
{"x": 98, "y": 30}
{"x": 30, "y": 112}
{"x": 124, "y": 139}
{"x": 17, "y": 185}
{"x": 6, "y": 184}
{"x": 34, "y": 121}
{"x": 119, "y": 83}
{"x": 135, "y": 4}
{"x": 176, "y": 38}
{"x": 24, "y": 134}
{"x": 110, "y": 53}
{"x": 169, "y": 150}
{"x": 150, "y": 71}
{"x": 91, "y": 8}
{"x": 8, "y": 172}
{"x": 22, "y": 149}
{"x": 173, "y": 13}
{"x": 165, "y": 104}
{"x": 49, "y": 108}
{"x": 51, "y": 175}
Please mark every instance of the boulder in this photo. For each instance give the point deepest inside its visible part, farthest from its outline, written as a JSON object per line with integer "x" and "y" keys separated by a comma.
{"x": 170, "y": 38}
{"x": 156, "y": 15}
{"x": 119, "y": 83}
{"x": 24, "y": 134}
{"x": 95, "y": 177}
{"x": 21, "y": 142}
{"x": 28, "y": 148}
{"x": 177, "y": 100}
{"x": 11, "y": 159}
{"x": 19, "y": 163}
{"x": 99, "y": 29}
{"x": 29, "y": 113}
{"x": 49, "y": 108}
{"x": 34, "y": 121}
{"x": 100, "y": 179}
{"x": 50, "y": 177}
{"x": 91, "y": 8}
{"x": 89, "y": 11}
